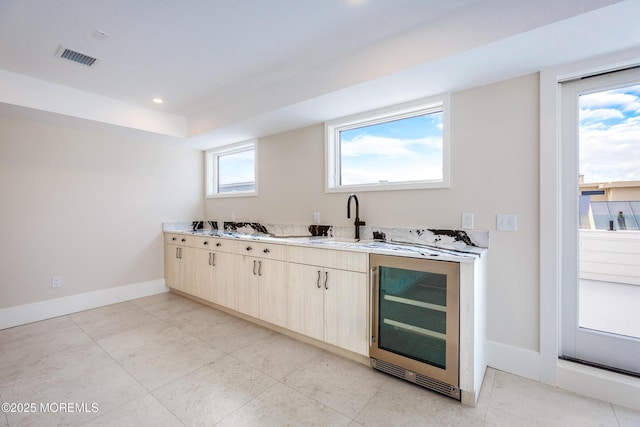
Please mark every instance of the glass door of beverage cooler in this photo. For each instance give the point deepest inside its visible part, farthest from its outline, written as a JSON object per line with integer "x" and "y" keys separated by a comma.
{"x": 415, "y": 315}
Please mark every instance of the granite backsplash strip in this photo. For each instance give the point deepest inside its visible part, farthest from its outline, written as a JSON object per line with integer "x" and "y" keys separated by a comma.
{"x": 425, "y": 236}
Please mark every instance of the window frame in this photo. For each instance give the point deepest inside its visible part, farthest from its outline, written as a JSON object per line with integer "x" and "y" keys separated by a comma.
{"x": 211, "y": 168}
{"x": 423, "y": 106}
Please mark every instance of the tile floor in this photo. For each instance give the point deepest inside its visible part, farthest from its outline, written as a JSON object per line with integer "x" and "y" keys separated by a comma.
{"x": 168, "y": 361}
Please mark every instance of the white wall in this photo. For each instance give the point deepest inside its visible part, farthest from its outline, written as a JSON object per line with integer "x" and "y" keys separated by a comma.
{"x": 494, "y": 132}
{"x": 87, "y": 205}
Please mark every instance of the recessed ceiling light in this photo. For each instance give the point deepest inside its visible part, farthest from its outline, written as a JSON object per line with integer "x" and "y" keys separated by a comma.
{"x": 158, "y": 100}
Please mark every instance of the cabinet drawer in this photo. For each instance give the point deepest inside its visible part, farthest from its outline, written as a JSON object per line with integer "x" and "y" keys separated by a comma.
{"x": 214, "y": 243}
{"x": 309, "y": 256}
{"x": 330, "y": 258}
{"x": 262, "y": 250}
{"x": 345, "y": 260}
{"x": 178, "y": 239}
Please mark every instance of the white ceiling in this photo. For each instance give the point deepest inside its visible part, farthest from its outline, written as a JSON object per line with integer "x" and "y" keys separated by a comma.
{"x": 231, "y": 70}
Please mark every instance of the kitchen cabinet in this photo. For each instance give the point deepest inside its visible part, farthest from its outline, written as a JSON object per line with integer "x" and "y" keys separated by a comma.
{"x": 306, "y": 300}
{"x": 328, "y": 296}
{"x": 214, "y": 271}
{"x": 261, "y": 285}
{"x": 179, "y": 262}
{"x": 345, "y": 310}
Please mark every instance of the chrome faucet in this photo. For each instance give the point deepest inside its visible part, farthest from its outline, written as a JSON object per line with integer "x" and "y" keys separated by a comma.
{"x": 357, "y": 222}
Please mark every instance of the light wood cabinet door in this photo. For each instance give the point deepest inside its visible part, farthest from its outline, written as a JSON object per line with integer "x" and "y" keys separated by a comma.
{"x": 272, "y": 292}
{"x": 345, "y": 310}
{"x": 202, "y": 275}
{"x": 179, "y": 271}
{"x": 171, "y": 265}
{"x": 222, "y": 279}
{"x": 246, "y": 288}
{"x": 306, "y": 302}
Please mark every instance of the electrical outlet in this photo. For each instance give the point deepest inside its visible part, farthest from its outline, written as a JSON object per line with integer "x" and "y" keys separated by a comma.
{"x": 316, "y": 217}
{"x": 233, "y": 216}
{"x": 467, "y": 221}
{"x": 507, "y": 222}
{"x": 56, "y": 281}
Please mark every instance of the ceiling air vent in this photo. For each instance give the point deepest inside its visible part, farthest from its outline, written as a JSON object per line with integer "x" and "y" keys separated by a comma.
{"x": 77, "y": 57}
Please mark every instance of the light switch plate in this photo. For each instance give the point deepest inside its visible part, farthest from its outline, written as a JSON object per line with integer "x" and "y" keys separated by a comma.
{"x": 507, "y": 222}
{"x": 467, "y": 221}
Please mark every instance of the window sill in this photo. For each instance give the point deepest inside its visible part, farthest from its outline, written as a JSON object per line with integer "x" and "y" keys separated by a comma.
{"x": 388, "y": 187}
{"x": 232, "y": 195}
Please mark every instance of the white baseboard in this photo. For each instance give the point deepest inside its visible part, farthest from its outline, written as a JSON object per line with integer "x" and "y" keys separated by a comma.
{"x": 41, "y": 310}
{"x": 608, "y": 386}
{"x": 597, "y": 383}
{"x": 514, "y": 360}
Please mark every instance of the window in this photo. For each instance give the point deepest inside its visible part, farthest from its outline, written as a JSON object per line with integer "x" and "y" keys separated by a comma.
{"x": 403, "y": 147}
{"x": 231, "y": 170}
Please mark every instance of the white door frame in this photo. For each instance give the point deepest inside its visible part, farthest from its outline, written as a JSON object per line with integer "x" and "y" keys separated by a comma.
{"x": 586, "y": 344}
{"x": 622, "y": 390}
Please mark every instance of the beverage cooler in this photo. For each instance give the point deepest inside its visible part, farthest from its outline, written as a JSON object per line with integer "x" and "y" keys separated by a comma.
{"x": 415, "y": 315}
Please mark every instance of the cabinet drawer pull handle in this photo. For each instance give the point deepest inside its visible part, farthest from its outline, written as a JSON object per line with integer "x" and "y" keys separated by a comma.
{"x": 183, "y": 240}
{"x": 326, "y": 279}
{"x": 218, "y": 244}
{"x": 254, "y": 267}
{"x": 205, "y": 243}
{"x": 259, "y": 268}
{"x": 249, "y": 248}
{"x": 174, "y": 238}
{"x": 266, "y": 250}
{"x": 318, "y": 281}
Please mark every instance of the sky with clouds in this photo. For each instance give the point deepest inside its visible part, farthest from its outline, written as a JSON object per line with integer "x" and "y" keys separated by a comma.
{"x": 610, "y": 135}
{"x": 236, "y": 168}
{"x": 397, "y": 151}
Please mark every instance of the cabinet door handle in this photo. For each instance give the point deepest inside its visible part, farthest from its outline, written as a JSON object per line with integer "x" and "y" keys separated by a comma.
{"x": 259, "y": 268}
{"x": 210, "y": 258}
{"x": 213, "y": 260}
{"x": 178, "y": 253}
{"x": 318, "y": 281}
{"x": 254, "y": 267}
{"x": 326, "y": 280}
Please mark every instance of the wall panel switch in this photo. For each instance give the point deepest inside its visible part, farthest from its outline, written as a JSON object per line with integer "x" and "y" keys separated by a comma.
{"x": 467, "y": 221}
{"x": 507, "y": 222}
